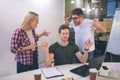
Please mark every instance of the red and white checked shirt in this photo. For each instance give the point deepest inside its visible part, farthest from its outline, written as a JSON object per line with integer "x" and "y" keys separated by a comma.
{"x": 19, "y": 40}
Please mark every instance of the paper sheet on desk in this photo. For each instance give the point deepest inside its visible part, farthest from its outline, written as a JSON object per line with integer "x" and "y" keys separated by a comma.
{"x": 51, "y": 72}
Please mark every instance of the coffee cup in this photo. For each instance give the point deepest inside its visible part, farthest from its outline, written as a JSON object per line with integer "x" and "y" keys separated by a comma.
{"x": 93, "y": 73}
{"x": 37, "y": 76}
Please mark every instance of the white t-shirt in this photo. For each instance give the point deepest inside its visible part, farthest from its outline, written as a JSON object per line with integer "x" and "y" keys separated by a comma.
{"x": 84, "y": 32}
{"x": 30, "y": 35}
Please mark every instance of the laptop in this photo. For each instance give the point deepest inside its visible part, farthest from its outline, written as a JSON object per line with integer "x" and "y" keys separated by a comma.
{"x": 84, "y": 69}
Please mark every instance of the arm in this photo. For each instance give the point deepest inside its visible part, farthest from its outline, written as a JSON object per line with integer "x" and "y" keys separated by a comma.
{"x": 83, "y": 57}
{"x": 48, "y": 57}
{"x": 32, "y": 47}
{"x": 15, "y": 48}
{"x": 44, "y": 33}
{"x": 66, "y": 20}
{"x": 98, "y": 26}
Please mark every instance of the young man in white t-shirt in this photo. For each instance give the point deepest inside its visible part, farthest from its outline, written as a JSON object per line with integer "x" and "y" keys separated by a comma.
{"x": 84, "y": 30}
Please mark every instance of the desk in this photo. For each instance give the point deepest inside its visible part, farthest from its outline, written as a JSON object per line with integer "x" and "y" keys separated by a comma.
{"x": 64, "y": 69}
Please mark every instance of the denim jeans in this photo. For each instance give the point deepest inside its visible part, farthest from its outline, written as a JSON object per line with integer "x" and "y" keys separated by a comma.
{"x": 22, "y": 68}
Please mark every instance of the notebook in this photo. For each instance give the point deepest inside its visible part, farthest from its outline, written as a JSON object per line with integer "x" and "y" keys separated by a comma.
{"x": 51, "y": 72}
{"x": 84, "y": 69}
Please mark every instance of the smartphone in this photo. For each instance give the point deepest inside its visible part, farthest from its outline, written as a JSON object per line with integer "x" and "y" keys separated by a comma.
{"x": 105, "y": 67}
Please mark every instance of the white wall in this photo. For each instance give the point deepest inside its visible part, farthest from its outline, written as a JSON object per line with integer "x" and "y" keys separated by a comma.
{"x": 12, "y": 12}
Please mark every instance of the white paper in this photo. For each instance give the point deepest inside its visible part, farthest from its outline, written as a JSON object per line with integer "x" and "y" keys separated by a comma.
{"x": 51, "y": 72}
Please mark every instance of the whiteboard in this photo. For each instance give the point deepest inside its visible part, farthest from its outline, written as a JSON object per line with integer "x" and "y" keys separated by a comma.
{"x": 113, "y": 45}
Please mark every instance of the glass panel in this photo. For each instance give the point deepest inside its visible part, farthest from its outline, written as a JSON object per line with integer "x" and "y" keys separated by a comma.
{"x": 111, "y": 7}
{"x": 118, "y": 4}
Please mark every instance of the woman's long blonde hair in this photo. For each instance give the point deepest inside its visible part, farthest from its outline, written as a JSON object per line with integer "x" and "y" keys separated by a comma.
{"x": 30, "y": 16}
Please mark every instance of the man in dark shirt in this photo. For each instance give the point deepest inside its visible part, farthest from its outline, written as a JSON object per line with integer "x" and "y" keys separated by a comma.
{"x": 63, "y": 51}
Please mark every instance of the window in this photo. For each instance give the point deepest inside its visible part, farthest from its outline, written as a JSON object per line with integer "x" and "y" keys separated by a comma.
{"x": 111, "y": 7}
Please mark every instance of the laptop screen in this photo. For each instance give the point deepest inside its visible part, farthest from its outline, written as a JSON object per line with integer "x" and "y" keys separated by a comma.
{"x": 96, "y": 62}
{"x": 84, "y": 69}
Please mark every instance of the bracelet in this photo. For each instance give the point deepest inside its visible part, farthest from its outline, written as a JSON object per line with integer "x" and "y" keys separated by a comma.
{"x": 86, "y": 49}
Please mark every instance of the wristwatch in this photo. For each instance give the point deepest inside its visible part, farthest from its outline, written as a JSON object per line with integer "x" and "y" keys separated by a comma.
{"x": 86, "y": 49}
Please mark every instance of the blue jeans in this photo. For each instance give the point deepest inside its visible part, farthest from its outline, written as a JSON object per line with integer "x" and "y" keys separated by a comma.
{"x": 90, "y": 56}
{"x": 22, "y": 68}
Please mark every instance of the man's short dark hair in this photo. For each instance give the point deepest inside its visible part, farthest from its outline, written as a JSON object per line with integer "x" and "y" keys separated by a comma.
{"x": 62, "y": 27}
{"x": 77, "y": 11}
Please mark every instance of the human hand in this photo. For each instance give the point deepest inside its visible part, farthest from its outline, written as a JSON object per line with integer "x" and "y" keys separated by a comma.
{"x": 66, "y": 20}
{"x": 33, "y": 46}
{"x": 45, "y": 33}
{"x": 88, "y": 44}
{"x": 95, "y": 23}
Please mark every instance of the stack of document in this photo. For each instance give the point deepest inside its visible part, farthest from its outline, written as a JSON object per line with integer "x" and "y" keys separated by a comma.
{"x": 51, "y": 72}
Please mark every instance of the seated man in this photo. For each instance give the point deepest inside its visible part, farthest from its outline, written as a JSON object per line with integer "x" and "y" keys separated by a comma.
{"x": 63, "y": 51}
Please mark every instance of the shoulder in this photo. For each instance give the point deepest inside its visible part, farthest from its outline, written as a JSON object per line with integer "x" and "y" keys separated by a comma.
{"x": 19, "y": 31}
{"x": 90, "y": 23}
{"x": 88, "y": 20}
{"x": 54, "y": 45}
{"x": 72, "y": 44}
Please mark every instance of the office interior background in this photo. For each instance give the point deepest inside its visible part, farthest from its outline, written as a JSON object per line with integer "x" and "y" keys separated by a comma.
{"x": 51, "y": 14}
{"x": 103, "y": 11}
